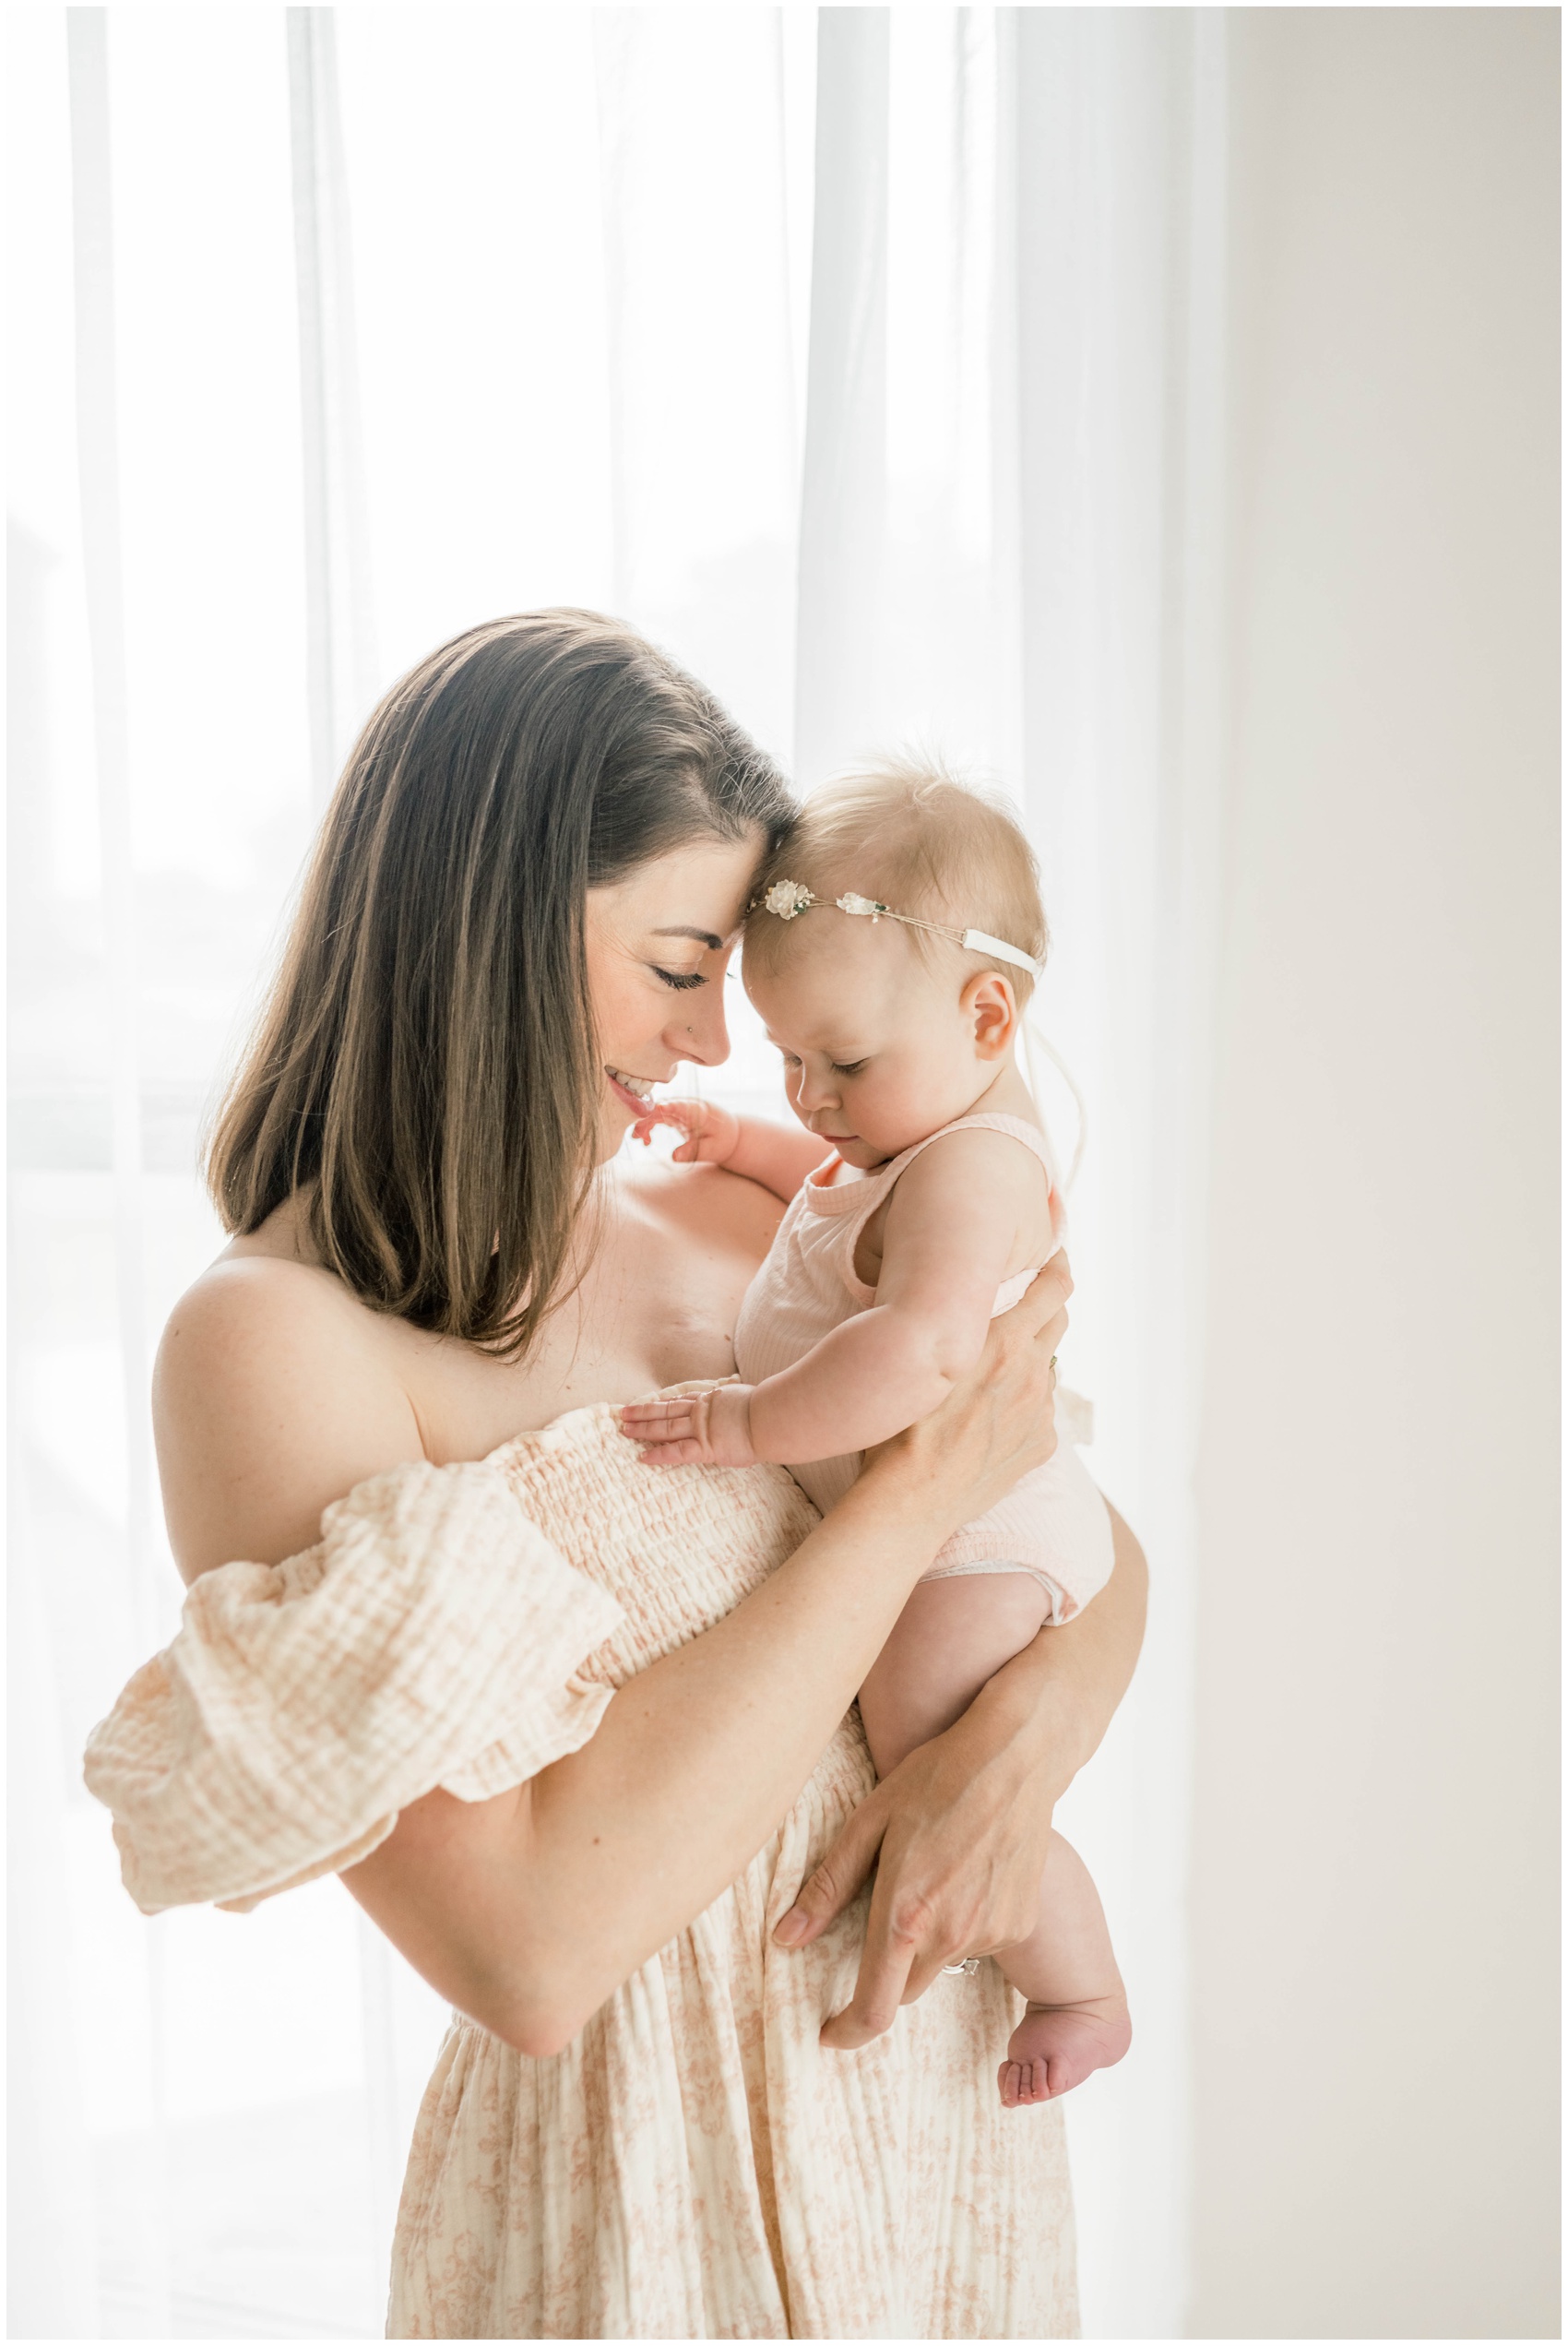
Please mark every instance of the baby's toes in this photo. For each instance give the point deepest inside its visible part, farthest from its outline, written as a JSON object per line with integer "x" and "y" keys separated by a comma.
{"x": 1034, "y": 2084}
{"x": 1022, "y": 2084}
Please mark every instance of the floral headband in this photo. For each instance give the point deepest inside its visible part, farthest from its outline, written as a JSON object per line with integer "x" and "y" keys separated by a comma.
{"x": 790, "y": 899}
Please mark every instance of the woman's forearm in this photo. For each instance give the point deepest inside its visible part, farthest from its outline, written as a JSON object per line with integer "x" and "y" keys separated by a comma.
{"x": 529, "y": 1911}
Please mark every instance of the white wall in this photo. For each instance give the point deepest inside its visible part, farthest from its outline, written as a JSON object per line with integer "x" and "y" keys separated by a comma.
{"x": 1374, "y": 1894}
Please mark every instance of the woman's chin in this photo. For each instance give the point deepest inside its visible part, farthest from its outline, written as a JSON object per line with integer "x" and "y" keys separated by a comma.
{"x": 614, "y": 1123}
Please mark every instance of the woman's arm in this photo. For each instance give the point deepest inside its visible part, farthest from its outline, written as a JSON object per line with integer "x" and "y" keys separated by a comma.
{"x": 528, "y": 1909}
{"x": 958, "y": 1831}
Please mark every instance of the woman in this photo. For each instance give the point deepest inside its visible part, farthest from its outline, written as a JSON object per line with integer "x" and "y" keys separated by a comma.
{"x": 675, "y": 2101}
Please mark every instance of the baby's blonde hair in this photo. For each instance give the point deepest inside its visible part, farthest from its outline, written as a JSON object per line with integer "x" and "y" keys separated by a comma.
{"x": 903, "y": 831}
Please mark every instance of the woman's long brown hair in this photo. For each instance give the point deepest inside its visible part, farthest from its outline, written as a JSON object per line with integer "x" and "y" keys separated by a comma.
{"x": 425, "y": 1071}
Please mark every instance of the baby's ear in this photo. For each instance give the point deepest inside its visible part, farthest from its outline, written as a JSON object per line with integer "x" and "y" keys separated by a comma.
{"x": 988, "y": 1003}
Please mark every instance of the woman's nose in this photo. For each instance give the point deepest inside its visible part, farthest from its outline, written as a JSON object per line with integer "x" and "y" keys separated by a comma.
{"x": 702, "y": 1035}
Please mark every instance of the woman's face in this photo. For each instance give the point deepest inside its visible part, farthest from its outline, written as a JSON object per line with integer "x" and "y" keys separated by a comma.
{"x": 658, "y": 943}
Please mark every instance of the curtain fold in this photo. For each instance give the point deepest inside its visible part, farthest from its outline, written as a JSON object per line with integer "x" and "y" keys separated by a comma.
{"x": 341, "y": 669}
{"x": 341, "y": 685}
{"x": 98, "y": 462}
{"x": 844, "y": 471}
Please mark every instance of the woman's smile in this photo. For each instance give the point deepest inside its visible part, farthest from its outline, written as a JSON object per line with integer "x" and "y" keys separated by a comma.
{"x": 635, "y": 1092}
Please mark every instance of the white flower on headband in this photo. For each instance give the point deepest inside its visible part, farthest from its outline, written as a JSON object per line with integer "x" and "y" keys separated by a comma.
{"x": 787, "y": 898}
{"x": 861, "y": 904}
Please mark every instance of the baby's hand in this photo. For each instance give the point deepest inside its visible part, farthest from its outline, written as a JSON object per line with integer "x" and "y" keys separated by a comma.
{"x": 711, "y": 1132}
{"x": 699, "y": 1429}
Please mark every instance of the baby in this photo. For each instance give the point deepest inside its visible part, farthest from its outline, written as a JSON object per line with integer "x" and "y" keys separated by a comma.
{"x": 891, "y": 956}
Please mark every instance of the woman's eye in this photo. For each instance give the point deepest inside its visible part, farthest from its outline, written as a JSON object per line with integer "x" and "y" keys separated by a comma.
{"x": 679, "y": 979}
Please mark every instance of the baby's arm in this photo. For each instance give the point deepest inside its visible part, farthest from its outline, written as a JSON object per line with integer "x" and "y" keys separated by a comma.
{"x": 952, "y": 1227}
{"x": 778, "y": 1156}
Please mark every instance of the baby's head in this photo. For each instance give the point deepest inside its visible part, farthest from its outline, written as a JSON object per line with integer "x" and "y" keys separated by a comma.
{"x": 889, "y": 1031}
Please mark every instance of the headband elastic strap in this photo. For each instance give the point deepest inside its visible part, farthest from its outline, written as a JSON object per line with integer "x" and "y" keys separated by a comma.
{"x": 790, "y": 899}
{"x": 977, "y": 941}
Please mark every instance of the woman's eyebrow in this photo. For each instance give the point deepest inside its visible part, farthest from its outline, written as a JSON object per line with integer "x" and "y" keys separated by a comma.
{"x": 701, "y": 936}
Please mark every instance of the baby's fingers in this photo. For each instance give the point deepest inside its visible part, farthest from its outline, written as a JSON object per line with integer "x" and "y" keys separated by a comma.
{"x": 673, "y": 1454}
{"x": 659, "y": 1423}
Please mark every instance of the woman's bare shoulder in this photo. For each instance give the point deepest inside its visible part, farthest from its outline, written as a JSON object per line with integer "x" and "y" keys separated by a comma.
{"x": 274, "y": 1391}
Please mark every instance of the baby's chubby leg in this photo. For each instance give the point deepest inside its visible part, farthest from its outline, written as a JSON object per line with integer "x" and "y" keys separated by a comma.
{"x": 952, "y": 1636}
{"x": 1077, "y": 2018}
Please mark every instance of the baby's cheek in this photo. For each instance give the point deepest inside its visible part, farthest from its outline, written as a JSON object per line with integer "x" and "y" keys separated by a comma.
{"x": 894, "y": 1112}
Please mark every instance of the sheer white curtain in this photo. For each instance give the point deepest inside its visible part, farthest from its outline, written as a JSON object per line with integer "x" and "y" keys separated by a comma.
{"x": 870, "y": 360}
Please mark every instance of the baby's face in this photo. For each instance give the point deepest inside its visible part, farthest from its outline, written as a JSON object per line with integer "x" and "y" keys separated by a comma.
{"x": 879, "y": 1047}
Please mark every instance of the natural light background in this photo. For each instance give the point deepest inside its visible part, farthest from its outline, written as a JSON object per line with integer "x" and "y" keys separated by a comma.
{"x": 867, "y": 360}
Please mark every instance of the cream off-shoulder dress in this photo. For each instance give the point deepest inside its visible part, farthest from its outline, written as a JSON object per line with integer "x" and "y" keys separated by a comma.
{"x": 693, "y": 2164}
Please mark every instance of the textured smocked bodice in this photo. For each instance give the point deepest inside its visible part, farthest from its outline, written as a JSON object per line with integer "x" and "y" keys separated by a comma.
{"x": 693, "y": 2164}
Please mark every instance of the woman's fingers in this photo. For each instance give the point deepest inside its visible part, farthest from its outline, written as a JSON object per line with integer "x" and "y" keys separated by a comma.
{"x": 894, "y": 1930}
{"x": 838, "y": 1879}
{"x": 879, "y": 1991}
{"x": 897, "y": 1953}
{"x": 907, "y": 1944}
{"x": 1043, "y": 1302}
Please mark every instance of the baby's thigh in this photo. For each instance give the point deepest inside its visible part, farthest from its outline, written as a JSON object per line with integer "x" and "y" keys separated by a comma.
{"x": 951, "y": 1636}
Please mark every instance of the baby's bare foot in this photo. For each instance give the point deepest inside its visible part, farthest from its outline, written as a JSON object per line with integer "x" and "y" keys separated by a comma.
{"x": 1056, "y": 2046}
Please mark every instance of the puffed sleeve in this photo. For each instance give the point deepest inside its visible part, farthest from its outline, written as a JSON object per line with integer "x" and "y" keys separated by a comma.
{"x": 433, "y": 1636}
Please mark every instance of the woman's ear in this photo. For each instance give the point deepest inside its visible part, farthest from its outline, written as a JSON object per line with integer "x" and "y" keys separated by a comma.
{"x": 987, "y": 1001}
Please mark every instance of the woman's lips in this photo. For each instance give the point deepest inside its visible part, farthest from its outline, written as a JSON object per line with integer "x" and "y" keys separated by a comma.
{"x": 639, "y": 1102}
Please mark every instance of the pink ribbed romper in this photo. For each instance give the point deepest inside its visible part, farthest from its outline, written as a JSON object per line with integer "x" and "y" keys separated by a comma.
{"x": 1054, "y": 1524}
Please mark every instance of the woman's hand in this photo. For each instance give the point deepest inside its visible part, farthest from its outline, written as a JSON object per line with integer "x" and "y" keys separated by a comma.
{"x": 998, "y": 1422}
{"x": 958, "y": 1835}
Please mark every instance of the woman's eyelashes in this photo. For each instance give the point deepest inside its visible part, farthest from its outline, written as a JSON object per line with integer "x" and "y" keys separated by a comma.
{"x": 679, "y": 978}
